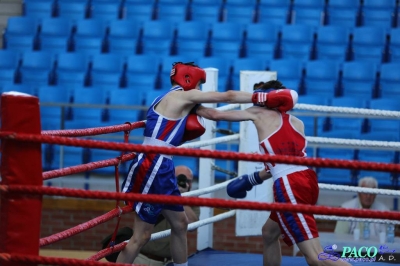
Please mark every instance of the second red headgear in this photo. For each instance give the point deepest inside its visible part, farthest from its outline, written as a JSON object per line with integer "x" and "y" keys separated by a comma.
{"x": 187, "y": 75}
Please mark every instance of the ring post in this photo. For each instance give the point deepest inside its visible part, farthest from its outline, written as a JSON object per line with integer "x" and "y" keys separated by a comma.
{"x": 21, "y": 164}
{"x": 206, "y": 174}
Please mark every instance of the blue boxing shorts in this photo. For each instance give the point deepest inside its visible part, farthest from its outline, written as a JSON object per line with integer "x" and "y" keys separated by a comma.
{"x": 151, "y": 174}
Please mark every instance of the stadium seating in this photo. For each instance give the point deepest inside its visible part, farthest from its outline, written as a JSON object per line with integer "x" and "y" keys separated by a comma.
{"x": 227, "y": 39}
{"x": 313, "y": 126}
{"x": 21, "y": 34}
{"x": 224, "y": 70}
{"x": 369, "y": 44}
{"x": 274, "y": 11}
{"x": 38, "y": 8}
{"x": 343, "y": 12}
{"x": 290, "y": 73}
{"x": 172, "y": 12}
{"x": 142, "y": 72}
{"x": 90, "y": 36}
{"x": 107, "y": 11}
{"x": 333, "y": 43}
{"x": 310, "y": 12}
{"x": 239, "y": 14}
{"x": 389, "y": 85}
{"x": 379, "y": 13}
{"x": 262, "y": 41}
{"x": 245, "y": 64}
{"x": 157, "y": 37}
{"x": 359, "y": 79}
{"x": 55, "y": 35}
{"x": 142, "y": 12}
{"x": 74, "y": 10}
{"x": 37, "y": 68}
{"x": 123, "y": 37}
{"x": 322, "y": 78}
{"x": 384, "y": 178}
{"x": 297, "y": 42}
{"x": 394, "y": 45}
{"x": 207, "y": 11}
{"x": 9, "y": 65}
{"x": 71, "y": 70}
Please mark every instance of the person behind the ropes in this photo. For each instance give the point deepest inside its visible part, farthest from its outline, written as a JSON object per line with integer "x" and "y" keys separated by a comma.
{"x": 281, "y": 134}
{"x": 170, "y": 121}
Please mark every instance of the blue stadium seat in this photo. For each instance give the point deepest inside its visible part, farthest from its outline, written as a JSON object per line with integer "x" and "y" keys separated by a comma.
{"x": 359, "y": 79}
{"x": 322, "y": 78}
{"x": 380, "y": 136}
{"x": 241, "y": 3}
{"x": 262, "y": 39}
{"x": 71, "y": 70}
{"x": 72, "y": 156}
{"x": 332, "y": 42}
{"x": 52, "y": 116}
{"x": 139, "y": 11}
{"x": 385, "y": 104}
{"x": 369, "y": 44}
{"x": 124, "y": 37}
{"x": 384, "y": 125}
{"x": 313, "y": 125}
{"x": 274, "y": 15}
{"x": 9, "y": 64}
{"x": 227, "y": 39}
{"x": 336, "y": 175}
{"x": 191, "y": 48}
{"x": 21, "y": 34}
{"x": 107, "y": 11}
{"x": 36, "y": 68}
{"x": 290, "y": 72}
{"x": 383, "y": 178}
{"x": 245, "y": 64}
{"x": 389, "y": 85}
{"x": 297, "y": 41}
{"x": 343, "y": 13}
{"x": 142, "y": 72}
{"x": 358, "y": 125}
{"x": 172, "y": 12}
{"x": 192, "y": 38}
{"x": 38, "y": 8}
{"x": 107, "y": 72}
{"x": 210, "y": 13}
{"x": 124, "y": 97}
{"x": 224, "y": 70}
{"x": 86, "y": 96}
{"x": 55, "y": 35}
{"x": 394, "y": 45}
{"x": 90, "y": 36}
{"x": 73, "y": 10}
{"x": 239, "y": 14}
{"x": 379, "y": 13}
{"x": 310, "y": 12}
{"x": 157, "y": 37}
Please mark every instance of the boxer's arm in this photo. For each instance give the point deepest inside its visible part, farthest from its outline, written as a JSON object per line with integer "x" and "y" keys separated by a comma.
{"x": 217, "y": 115}
{"x": 196, "y": 96}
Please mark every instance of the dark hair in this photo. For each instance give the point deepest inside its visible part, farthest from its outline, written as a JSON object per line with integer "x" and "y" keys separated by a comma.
{"x": 272, "y": 84}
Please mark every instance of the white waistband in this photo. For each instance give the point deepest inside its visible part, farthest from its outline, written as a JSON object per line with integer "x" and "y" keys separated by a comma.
{"x": 157, "y": 142}
{"x": 280, "y": 170}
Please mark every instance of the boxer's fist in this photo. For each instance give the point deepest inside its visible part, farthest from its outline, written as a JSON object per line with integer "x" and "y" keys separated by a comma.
{"x": 238, "y": 187}
{"x": 282, "y": 99}
{"x": 194, "y": 127}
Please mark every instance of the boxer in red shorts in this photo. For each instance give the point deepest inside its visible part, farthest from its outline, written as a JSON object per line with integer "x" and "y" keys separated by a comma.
{"x": 281, "y": 134}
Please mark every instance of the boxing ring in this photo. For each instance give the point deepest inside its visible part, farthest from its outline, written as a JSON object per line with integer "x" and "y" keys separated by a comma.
{"x": 22, "y": 184}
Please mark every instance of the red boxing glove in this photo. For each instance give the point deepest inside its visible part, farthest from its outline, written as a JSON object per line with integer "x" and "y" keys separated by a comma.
{"x": 282, "y": 99}
{"x": 194, "y": 127}
{"x": 259, "y": 98}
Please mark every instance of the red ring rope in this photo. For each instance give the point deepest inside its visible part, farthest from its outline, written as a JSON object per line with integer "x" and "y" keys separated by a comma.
{"x": 208, "y": 202}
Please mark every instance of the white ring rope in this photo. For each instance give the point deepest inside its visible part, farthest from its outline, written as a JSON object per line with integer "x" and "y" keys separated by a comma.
{"x": 355, "y": 142}
{"x": 350, "y": 219}
{"x": 348, "y": 110}
{"x": 377, "y": 191}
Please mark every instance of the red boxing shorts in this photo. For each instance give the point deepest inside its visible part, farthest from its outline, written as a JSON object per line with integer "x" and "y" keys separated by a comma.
{"x": 296, "y": 188}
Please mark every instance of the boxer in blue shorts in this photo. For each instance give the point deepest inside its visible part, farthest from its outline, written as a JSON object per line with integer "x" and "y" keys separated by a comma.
{"x": 171, "y": 120}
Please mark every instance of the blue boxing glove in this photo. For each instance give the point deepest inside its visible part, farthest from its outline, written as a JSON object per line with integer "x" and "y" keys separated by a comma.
{"x": 238, "y": 187}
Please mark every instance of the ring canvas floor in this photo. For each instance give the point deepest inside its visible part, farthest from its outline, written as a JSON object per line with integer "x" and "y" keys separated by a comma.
{"x": 211, "y": 257}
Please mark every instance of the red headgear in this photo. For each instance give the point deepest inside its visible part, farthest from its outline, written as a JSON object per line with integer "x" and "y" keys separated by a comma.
{"x": 187, "y": 75}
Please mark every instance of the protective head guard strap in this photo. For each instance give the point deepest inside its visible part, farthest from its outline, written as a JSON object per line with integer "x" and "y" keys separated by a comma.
{"x": 187, "y": 75}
